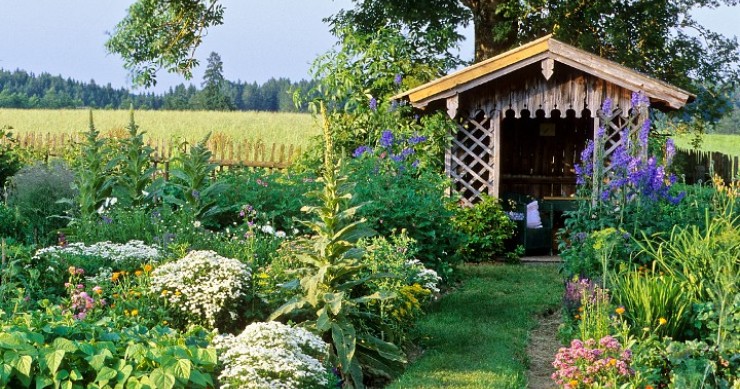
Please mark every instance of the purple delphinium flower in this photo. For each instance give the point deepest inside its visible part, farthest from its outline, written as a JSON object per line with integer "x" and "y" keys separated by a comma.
{"x": 360, "y": 151}
{"x": 386, "y": 139}
{"x": 416, "y": 139}
{"x": 415, "y": 164}
{"x": 586, "y": 168}
{"x": 639, "y": 99}
{"x": 398, "y": 79}
{"x": 373, "y": 104}
{"x": 397, "y": 157}
{"x": 406, "y": 152}
{"x": 606, "y": 106}
{"x": 670, "y": 151}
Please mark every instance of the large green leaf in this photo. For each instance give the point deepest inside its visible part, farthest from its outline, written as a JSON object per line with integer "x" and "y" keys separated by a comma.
{"x": 23, "y": 365}
{"x": 296, "y": 302}
{"x": 182, "y": 369}
{"x": 344, "y": 337}
{"x": 334, "y": 302}
{"x": 53, "y": 359}
{"x": 385, "y": 349}
{"x": 105, "y": 374}
{"x": 162, "y": 379}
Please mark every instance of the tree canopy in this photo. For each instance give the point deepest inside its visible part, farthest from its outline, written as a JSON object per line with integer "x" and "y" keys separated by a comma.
{"x": 657, "y": 37}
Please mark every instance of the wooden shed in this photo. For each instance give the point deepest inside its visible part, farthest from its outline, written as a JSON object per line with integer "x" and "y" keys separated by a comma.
{"x": 524, "y": 116}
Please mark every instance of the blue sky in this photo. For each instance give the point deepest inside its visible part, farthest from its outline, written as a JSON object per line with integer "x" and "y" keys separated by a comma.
{"x": 259, "y": 39}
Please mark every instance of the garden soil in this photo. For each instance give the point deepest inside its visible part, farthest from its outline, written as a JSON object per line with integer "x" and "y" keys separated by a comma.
{"x": 543, "y": 345}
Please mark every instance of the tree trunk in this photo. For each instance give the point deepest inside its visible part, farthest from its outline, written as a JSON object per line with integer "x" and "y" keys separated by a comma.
{"x": 495, "y": 31}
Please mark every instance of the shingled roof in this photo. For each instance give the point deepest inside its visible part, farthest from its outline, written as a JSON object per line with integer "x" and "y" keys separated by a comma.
{"x": 546, "y": 48}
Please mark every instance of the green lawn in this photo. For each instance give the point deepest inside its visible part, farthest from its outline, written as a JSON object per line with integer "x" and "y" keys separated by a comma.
{"x": 726, "y": 144}
{"x": 475, "y": 337}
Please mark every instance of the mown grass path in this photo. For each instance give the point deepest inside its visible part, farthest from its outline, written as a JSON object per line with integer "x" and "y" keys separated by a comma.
{"x": 476, "y": 336}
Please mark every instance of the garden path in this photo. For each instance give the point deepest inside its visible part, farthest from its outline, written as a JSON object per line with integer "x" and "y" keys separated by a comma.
{"x": 541, "y": 350}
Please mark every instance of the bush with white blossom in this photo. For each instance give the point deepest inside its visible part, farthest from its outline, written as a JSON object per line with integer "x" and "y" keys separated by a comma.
{"x": 206, "y": 288}
{"x": 273, "y": 355}
{"x": 134, "y": 252}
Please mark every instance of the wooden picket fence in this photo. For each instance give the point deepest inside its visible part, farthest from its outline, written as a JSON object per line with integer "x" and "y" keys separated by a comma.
{"x": 698, "y": 166}
{"x": 227, "y": 152}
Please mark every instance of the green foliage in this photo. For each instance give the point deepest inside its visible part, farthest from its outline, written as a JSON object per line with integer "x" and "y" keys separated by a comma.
{"x": 215, "y": 94}
{"x": 327, "y": 298}
{"x": 411, "y": 200}
{"x": 9, "y": 163}
{"x": 156, "y": 35}
{"x": 93, "y": 169}
{"x": 486, "y": 226}
{"x": 134, "y": 167}
{"x": 356, "y": 82}
{"x": 648, "y": 297}
{"x": 705, "y": 264}
{"x": 275, "y": 197}
{"x": 190, "y": 185}
{"x": 57, "y": 355}
{"x": 36, "y": 194}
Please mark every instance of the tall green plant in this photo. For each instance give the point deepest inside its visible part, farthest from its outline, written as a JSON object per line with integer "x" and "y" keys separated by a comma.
{"x": 134, "y": 166}
{"x": 331, "y": 282}
{"x": 93, "y": 168}
{"x": 191, "y": 178}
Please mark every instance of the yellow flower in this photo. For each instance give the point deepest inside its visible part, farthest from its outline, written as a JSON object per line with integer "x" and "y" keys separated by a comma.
{"x": 662, "y": 321}
{"x": 134, "y": 312}
{"x": 148, "y": 268}
{"x": 72, "y": 270}
{"x": 177, "y": 293}
{"x": 138, "y": 273}
{"x": 164, "y": 292}
{"x": 573, "y": 383}
{"x": 619, "y": 310}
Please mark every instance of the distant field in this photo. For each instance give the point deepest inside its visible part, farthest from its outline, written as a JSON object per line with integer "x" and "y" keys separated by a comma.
{"x": 285, "y": 128}
{"x": 726, "y": 144}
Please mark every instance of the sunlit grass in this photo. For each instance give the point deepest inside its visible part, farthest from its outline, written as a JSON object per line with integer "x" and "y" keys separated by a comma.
{"x": 726, "y": 144}
{"x": 270, "y": 127}
{"x": 476, "y": 337}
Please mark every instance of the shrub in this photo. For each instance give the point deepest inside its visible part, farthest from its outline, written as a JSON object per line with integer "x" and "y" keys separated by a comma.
{"x": 204, "y": 288}
{"x": 273, "y": 355}
{"x": 411, "y": 284}
{"x": 36, "y": 191}
{"x": 397, "y": 197}
{"x": 486, "y": 227}
{"x": 275, "y": 197}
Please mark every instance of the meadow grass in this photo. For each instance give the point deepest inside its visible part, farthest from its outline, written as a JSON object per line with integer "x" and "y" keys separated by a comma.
{"x": 726, "y": 144}
{"x": 270, "y": 127}
{"x": 476, "y": 336}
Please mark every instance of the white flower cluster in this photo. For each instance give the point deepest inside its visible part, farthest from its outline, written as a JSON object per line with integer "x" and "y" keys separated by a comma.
{"x": 428, "y": 278}
{"x": 272, "y": 355}
{"x": 202, "y": 284}
{"x": 132, "y": 251}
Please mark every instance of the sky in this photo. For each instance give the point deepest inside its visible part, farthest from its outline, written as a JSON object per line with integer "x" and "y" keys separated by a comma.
{"x": 258, "y": 40}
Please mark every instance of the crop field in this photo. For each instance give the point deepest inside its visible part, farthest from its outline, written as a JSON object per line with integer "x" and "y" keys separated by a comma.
{"x": 269, "y": 127}
{"x": 726, "y": 144}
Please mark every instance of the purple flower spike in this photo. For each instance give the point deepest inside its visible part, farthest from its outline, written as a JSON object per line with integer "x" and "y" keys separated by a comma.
{"x": 398, "y": 79}
{"x": 373, "y": 104}
{"x": 386, "y": 139}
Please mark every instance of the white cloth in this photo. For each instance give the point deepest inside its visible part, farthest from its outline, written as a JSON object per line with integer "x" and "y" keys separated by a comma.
{"x": 533, "y": 215}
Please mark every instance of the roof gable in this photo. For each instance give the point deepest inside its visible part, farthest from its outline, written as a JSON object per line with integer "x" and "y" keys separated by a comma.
{"x": 546, "y": 49}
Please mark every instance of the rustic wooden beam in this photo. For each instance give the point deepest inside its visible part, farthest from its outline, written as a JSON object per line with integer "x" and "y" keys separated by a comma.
{"x": 453, "y": 102}
{"x": 495, "y": 181}
{"x": 548, "y": 67}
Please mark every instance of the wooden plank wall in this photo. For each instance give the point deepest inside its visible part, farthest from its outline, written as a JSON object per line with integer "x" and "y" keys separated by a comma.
{"x": 526, "y": 90}
{"x": 696, "y": 166}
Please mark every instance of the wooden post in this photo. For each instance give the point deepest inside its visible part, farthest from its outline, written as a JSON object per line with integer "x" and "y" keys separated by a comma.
{"x": 494, "y": 183}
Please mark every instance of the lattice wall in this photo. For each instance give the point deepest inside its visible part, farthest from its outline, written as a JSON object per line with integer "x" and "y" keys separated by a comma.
{"x": 470, "y": 162}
